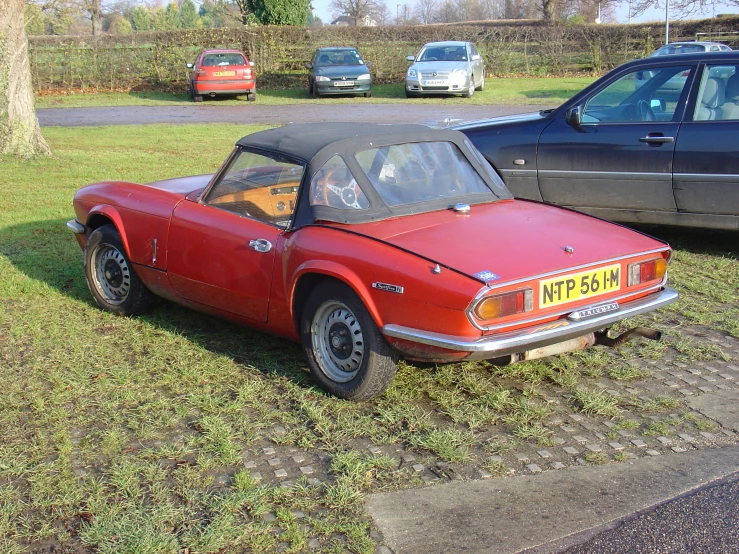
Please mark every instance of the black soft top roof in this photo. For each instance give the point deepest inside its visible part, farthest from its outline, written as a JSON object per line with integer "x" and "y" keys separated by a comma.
{"x": 307, "y": 139}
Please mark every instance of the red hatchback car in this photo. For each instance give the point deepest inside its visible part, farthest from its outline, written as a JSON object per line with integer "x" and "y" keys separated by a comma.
{"x": 218, "y": 72}
{"x": 368, "y": 242}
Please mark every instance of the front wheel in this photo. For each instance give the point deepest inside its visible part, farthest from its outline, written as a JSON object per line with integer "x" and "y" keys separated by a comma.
{"x": 471, "y": 89}
{"x": 347, "y": 354}
{"x": 110, "y": 276}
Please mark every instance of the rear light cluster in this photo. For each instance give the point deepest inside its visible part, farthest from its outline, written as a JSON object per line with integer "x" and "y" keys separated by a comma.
{"x": 649, "y": 270}
{"x": 246, "y": 73}
{"x": 505, "y": 304}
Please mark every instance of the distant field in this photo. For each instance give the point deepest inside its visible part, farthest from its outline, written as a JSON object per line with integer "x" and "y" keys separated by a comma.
{"x": 508, "y": 91}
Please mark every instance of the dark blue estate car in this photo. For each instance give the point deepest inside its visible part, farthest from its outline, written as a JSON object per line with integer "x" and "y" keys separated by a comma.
{"x": 655, "y": 140}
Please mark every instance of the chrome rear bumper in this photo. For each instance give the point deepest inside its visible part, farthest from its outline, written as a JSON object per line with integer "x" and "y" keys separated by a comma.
{"x": 503, "y": 344}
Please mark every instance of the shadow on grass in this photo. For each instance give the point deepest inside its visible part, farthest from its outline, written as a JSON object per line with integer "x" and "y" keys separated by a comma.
{"x": 555, "y": 94}
{"x": 46, "y": 252}
{"x": 160, "y": 96}
{"x": 697, "y": 241}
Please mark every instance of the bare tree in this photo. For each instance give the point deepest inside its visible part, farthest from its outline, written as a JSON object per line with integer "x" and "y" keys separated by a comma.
{"x": 360, "y": 11}
{"x": 425, "y": 10}
{"x": 20, "y": 134}
{"x": 681, "y": 8}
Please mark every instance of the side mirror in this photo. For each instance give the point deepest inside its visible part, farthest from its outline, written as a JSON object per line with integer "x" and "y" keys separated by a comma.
{"x": 411, "y": 58}
{"x": 189, "y": 65}
{"x": 573, "y": 116}
{"x": 475, "y": 57}
{"x": 657, "y": 104}
{"x": 308, "y": 65}
{"x": 368, "y": 64}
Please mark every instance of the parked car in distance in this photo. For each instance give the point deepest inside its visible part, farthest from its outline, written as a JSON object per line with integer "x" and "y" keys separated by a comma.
{"x": 338, "y": 70}
{"x": 689, "y": 47}
{"x": 450, "y": 67}
{"x": 660, "y": 151}
{"x": 222, "y": 72}
{"x": 366, "y": 242}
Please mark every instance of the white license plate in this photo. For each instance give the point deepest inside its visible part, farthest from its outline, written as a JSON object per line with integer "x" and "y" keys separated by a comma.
{"x": 435, "y": 82}
{"x": 343, "y": 83}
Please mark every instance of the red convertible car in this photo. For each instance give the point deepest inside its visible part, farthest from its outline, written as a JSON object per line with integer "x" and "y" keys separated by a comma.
{"x": 367, "y": 242}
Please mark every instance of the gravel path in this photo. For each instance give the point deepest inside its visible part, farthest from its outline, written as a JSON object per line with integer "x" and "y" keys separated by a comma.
{"x": 427, "y": 114}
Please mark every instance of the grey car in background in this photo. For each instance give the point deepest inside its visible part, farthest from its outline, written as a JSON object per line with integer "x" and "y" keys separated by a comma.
{"x": 450, "y": 67}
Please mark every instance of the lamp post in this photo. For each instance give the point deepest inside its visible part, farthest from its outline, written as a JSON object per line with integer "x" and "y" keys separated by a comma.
{"x": 667, "y": 21}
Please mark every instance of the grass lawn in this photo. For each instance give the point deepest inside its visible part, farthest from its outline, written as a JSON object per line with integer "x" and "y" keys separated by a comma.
{"x": 177, "y": 432}
{"x": 508, "y": 90}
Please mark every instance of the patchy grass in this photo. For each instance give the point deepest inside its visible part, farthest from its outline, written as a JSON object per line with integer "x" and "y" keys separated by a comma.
{"x": 137, "y": 434}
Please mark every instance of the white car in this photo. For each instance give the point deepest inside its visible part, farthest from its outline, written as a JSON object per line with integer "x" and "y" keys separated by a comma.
{"x": 449, "y": 67}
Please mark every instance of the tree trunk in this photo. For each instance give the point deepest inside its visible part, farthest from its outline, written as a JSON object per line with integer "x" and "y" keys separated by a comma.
{"x": 20, "y": 134}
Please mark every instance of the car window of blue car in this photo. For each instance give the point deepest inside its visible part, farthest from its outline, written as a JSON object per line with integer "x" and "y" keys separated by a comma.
{"x": 718, "y": 94}
{"x": 644, "y": 95}
{"x": 338, "y": 57}
{"x": 258, "y": 186}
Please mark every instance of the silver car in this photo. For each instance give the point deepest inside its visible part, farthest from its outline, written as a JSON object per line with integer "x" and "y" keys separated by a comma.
{"x": 450, "y": 67}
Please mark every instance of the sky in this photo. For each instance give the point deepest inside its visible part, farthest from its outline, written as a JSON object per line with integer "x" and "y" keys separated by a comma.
{"x": 321, "y": 9}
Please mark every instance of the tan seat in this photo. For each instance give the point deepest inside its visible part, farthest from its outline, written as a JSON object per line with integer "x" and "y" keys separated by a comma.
{"x": 730, "y": 109}
{"x": 711, "y": 101}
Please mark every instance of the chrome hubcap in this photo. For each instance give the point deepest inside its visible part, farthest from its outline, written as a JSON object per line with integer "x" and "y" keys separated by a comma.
{"x": 338, "y": 342}
{"x": 111, "y": 274}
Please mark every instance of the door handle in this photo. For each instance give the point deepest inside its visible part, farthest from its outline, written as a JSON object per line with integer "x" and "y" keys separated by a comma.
{"x": 260, "y": 245}
{"x": 656, "y": 140}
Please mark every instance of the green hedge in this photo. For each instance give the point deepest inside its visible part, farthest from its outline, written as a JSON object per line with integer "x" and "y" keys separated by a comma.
{"x": 157, "y": 60}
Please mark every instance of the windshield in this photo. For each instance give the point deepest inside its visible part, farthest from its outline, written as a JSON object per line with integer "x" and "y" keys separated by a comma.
{"x": 443, "y": 54}
{"x": 338, "y": 57}
{"x": 420, "y": 172}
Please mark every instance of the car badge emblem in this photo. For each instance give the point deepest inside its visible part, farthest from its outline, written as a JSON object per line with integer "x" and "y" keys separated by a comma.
{"x": 569, "y": 249}
{"x": 434, "y": 74}
{"x": 343, "y": 78}
{"x": 388, "y": 287}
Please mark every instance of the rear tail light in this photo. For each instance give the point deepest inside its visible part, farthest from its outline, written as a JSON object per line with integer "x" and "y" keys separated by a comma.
{"x": 502, "y": 305}
{"x": 201, "y": 72}
{"x": 246, "y": 73}
{"x": 650, "y": 270}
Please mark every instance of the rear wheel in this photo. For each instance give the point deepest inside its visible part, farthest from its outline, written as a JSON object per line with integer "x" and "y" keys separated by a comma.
{"x": 194, "y": 95}
{"x": 347, "y": 354}
{"x": 110, "y": 275}
{"x": 482, "y": 85}
{"x": 251, "y": 96}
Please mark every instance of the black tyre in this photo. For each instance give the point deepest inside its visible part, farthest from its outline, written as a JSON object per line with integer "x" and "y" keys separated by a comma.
{"x": 112, "y": 281}
{"x": 367, "y": 94}
{"x": 409, "y": 94}
{"x": 482, "y": 84}
{"x": 347, "y": 354}
{"x": 315, "y": 92}
{"x": 195, "y": 97}
{"x": 471, "y": 88}
{"x": 251, "y": 96}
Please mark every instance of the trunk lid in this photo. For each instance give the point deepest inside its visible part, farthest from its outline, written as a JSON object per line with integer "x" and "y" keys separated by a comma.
{"x": 511, "y": 240}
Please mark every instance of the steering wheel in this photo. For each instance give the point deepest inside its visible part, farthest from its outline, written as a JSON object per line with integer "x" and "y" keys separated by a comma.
{"x": 348, "y": 195}
{"x": 645, "y": 111}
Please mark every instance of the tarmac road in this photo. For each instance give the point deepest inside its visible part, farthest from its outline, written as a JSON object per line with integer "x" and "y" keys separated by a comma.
{"x": 427, "y": 114}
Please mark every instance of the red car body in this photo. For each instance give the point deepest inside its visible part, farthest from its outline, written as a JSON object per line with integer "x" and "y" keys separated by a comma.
{"x": 221, "y": 72}
{"x": 422, "y": 276}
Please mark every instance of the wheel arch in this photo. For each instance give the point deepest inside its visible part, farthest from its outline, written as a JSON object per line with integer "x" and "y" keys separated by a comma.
{"x": 311, "y": 274}
{"x": 107, "y": 215}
